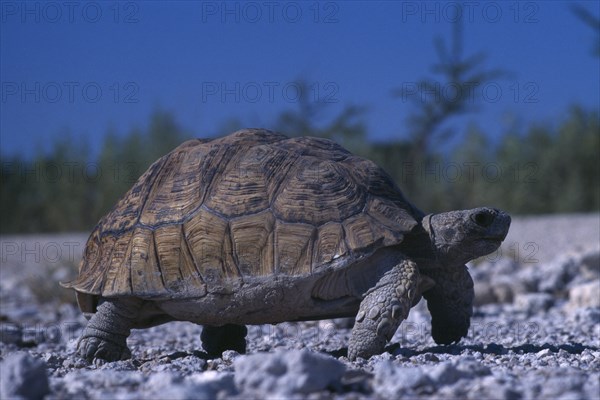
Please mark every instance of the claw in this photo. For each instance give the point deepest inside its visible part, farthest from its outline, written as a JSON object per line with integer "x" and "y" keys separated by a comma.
{"x": 92, "y": 348}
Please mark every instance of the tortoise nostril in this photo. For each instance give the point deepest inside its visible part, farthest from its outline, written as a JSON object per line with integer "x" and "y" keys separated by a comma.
{"x": 484, "y": 218}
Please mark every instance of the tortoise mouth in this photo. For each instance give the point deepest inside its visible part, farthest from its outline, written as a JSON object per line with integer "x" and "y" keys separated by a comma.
{"x": 493, "y": 239}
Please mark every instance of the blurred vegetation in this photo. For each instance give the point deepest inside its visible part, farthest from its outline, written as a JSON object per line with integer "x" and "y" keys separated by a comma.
{"x": 67, "y": 190}
{"x": 44, "y": 282}
{"x": 543, "y": 168}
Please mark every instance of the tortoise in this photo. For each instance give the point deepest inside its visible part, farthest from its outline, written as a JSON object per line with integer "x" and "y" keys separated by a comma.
{"x": 257, "y": 228}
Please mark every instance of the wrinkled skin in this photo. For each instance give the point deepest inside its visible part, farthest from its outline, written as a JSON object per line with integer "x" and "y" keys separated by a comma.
{"x": 455, "y": 237}
{"x": 430, "y": 262}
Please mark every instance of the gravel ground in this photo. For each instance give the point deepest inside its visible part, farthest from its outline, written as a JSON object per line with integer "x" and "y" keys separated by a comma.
{"x": 535, "y": 334}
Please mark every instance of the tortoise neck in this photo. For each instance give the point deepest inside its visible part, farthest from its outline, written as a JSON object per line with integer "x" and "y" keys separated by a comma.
{"x": 417, "y": 245}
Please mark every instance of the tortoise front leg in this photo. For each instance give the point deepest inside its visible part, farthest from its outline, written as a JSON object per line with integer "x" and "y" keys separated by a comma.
{"x": 105, "y": 335}
{"x": 383, "y": 309}
{"x": 450, "y": 303}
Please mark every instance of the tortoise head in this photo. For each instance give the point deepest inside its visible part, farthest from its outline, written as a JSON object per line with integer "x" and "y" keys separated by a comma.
{"x": 461, "y": 236}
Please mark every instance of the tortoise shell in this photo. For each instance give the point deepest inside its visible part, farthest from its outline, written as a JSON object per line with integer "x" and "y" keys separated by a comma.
{"x": 256, "y": 204}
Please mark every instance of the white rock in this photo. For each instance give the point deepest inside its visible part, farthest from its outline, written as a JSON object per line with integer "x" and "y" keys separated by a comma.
{"x": 213, "y": 382}
{"x": 446, "y": 373}
{"x": 391, "y": 380}
{"x": 286, "y": 373}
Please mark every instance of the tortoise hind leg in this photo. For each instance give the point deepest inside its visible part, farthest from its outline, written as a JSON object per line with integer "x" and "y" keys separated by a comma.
{"x": 105, "y": 335}
{"x": 217, "y": 339}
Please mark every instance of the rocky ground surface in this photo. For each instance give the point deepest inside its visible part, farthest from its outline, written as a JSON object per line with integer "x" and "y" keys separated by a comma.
{"x": 535, "y": 334}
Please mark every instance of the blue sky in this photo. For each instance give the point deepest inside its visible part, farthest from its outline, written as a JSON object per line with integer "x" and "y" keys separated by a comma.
{"x": 89, "y": 66}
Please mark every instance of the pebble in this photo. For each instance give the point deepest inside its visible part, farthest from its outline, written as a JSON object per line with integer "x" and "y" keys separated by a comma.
{"x": 22, "y": 375}
{"x": 584, "y": 295}
{"x": 11, "y": 334}
{"x": 544, "y": 353}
